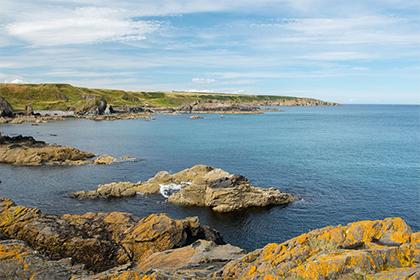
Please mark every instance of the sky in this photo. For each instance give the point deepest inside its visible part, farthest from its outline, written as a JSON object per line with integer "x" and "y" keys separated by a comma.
{"x": 359, "y": 51}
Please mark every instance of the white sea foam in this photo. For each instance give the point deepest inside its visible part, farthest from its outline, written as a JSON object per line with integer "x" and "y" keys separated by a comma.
{"x": 168, "y": 189}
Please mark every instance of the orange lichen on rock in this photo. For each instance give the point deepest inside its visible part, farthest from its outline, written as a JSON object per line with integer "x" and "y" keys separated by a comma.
{"x": 362, "y": 248}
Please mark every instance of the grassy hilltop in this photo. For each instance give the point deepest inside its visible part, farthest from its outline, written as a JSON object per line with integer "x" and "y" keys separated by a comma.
{"x": 68, "y": 97}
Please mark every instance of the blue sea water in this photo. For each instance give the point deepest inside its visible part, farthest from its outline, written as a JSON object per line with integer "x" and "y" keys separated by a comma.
{"x": 346, "y": 163}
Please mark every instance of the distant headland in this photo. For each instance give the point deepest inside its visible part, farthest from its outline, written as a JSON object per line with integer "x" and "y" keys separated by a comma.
{"x": 90, "y": 101}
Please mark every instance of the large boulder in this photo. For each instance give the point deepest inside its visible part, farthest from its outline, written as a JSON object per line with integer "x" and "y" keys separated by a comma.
{"x": 360, "y": 250}
{"x": 99, "y": 240}
{"x": 6, "y": 109}
{"x": 199, "y": 185}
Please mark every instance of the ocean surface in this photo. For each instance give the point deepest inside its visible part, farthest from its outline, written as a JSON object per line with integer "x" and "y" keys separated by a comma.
{"x": 346, "y": 163}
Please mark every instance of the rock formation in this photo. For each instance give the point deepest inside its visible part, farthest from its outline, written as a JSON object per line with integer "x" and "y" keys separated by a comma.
{"x": 111, "y": 190}
{"x": 104, "y": 159}
{"x": 362, "y": 250}
{"x": 219, "y": 107}
{"x": 26, "y": 150}
{"x": 199, "y": 185}
{"x": 100, "y": 241}
{"x": 117, "y": 245}
{"x": 93, "y": 105}
{"x": 29, "y": 110}
{"x": 198, "y": 260}
{"x": 6, "y": 109}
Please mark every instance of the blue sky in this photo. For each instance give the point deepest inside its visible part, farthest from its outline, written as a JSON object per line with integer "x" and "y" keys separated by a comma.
{"x": 356, "y": 51}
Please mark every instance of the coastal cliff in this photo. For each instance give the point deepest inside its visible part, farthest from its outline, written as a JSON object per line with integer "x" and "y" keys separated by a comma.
{"x": 119, "y": 245}
{"x": 83, "y": 101}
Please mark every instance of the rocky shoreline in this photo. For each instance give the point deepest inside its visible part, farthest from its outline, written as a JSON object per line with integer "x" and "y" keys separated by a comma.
{"x": 200, "y": 185}
{"x": 26, "y": 151}
{"x": 118, "y": 245}
{"x": 97, "y": 108}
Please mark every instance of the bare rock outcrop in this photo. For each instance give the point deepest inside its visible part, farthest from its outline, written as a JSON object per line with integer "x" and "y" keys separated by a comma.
{"x": 383, "y": 249}
{"x": 100, "y": 241}
{"x": 196, "y": 261}
{"x": 6, "y": 109}
{"x": 93, "y": 105}
{"x": 117, "y": 245}
{"x": 199, "y": 185}
{"x": 25, "y": 150}
{"x": 104, "y": 159}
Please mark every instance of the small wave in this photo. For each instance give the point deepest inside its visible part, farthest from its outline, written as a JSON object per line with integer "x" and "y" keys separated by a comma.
{"x": 167, "y": 190}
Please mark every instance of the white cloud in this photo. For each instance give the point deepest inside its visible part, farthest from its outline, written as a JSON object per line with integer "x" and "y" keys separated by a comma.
{"x": 79, "y": 26}
{"x": 338, "y": 56}
{"x": 15, "y": 81}
{"x": 203, "y": 80}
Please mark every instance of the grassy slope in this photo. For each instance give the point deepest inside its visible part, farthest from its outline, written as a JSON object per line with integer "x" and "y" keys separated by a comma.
{"x": 68, "y": 97}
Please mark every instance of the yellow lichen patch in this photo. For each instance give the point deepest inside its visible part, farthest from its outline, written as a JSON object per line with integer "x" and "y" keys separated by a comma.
{"x": 360, "y": 249}
{"x": 302, "y": 238}
{"x": 132, "y": 275}
{"x": 334, "y": 235}
{"x": 13, "y": 252}
{"x": 252, "y": 270}
{"x": 360, "y": 232}
{"x": 269, "y": 277}
{"x": 270, "y": 251}
{"x": 400, "y": 237}
{"x": 405, "y": 258}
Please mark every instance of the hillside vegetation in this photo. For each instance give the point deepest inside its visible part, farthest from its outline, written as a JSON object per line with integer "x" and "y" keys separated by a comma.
{"x": 68, "y": 97}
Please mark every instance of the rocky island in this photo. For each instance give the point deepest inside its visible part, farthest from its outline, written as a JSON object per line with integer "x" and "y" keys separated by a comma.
{"x": 119, "y": 245}
{"x": 199, "y": 185}
{"x": 26, "y": 151}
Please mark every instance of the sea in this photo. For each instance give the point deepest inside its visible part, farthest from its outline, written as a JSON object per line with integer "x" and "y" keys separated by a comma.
{"x": 345, "y": 163}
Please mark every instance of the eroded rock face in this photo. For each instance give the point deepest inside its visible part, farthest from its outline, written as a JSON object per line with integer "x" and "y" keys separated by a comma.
{"x": 92, "y": 105}
{"x": 22, "y": 150}
{"x": 372, "y": 249}
{"x": 6, "y": 109}
{"x": 99, "y": 240}
{"x": 199, "y": 185}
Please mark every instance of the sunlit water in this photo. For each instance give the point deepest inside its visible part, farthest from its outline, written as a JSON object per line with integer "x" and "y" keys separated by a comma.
{"x": 346, "y": 163}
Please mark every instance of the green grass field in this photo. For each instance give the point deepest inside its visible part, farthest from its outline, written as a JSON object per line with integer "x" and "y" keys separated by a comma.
{"x": 68, "y": 97}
